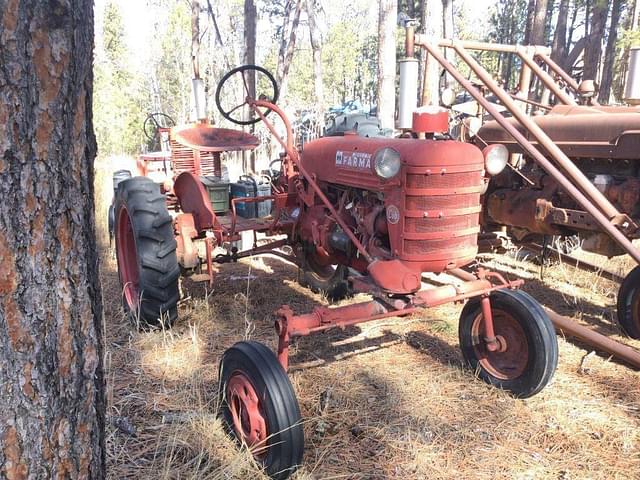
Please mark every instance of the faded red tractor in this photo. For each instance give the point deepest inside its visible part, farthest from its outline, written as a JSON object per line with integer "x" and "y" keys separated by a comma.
{"x": 360, "y": 215}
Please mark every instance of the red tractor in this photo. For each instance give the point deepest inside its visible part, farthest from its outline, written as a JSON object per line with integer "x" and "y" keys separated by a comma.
{"x": 367, "y": 215}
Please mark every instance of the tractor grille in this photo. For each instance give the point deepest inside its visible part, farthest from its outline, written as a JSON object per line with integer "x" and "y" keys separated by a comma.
{"x": 445, "y": 233}
{"x": 183, "y": 159}
{"x": 417, "y": 247}
{"x": 441, "y": 202}
{"x": 428, "y": 225}
{"x": 444, "y": 180}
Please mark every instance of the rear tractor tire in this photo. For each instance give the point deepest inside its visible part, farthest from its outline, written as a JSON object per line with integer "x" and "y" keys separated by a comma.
{"x": 259, "y": 407}
{"x": 146, "y": 252}
{"x": 528, "y": 348}
{"x": 629, "y": 304}
{"x": 322, "y": 277}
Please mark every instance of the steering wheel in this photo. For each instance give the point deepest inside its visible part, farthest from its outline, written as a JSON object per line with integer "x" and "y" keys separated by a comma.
{"x": 154, "y": 122}
{"x": 263, "y": 81}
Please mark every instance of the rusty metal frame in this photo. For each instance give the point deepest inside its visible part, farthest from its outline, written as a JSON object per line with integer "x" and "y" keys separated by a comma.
{"x": 564, "y": 171}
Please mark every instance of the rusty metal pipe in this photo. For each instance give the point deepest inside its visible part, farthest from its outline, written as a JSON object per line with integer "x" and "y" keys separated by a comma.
{"x": 571, "y": 170}
{"x": 558, "y": 71}
{"x": 294, "y": 157}
{"x": 596, "y": 340}
{"x": 490, "y": 47}
{"x": 546, "y": 79}
{"x": 562, "y": 180}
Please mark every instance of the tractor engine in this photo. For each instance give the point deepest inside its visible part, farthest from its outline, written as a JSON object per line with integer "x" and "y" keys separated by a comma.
{"x": 603, "y": 143}
{"x": 412, "y": 204}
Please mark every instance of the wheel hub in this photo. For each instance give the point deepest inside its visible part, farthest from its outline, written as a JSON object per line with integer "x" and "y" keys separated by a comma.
{"x": 507, "y": 356}
{"x": 246, "y": 413}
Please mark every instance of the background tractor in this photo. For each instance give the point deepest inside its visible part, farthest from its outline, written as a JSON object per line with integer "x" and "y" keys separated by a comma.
{"x": 366, "y": 215}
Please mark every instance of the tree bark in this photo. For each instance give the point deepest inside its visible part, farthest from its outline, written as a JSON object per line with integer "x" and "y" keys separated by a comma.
{"x": 387, "y": 62}
{"x": 537, "y": 28}
{"x": 432, "y": 21}
{"x": 531, "y": 13}
{"x": 559, "y": 49}
{"x": 195, "y": 37}
{"x": 313, "y": 7}
{"x": 610, "y": 54}
{"x": 52, "y": 403}
{"x": 282, "y": 70}
{"x": 593, "y": 47}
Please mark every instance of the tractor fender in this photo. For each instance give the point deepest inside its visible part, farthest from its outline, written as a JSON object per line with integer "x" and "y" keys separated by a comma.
{"x": 193, "y": 199}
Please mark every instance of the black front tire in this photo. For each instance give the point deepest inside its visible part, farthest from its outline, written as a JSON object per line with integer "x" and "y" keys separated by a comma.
{"x": 281, "y": 452}
{"x": 328, "y": 280}
{"x": 529, "y": 356}
{"x": 140, "y": 203}
{"x": 629, "y": 304}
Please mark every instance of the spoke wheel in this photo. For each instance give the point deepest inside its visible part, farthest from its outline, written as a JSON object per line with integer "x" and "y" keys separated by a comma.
{"x": 629, "y": 304}
{"x": 259, "y": 407}
{"x": 527, "y": 353}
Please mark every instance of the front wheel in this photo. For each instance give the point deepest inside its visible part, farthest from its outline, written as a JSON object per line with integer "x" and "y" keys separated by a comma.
{"x": 260, "y": 409}
{"x": 528, "y": 348}
{"x": 629, "y": 304}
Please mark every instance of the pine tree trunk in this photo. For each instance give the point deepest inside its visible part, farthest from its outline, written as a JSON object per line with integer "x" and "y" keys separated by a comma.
{"x": 593, "y": 48}
{"x": 432, "y": 21}
{"x": 531, "y": 13}
{"x": 282, "y": 71}
{"x": 537, "y": 29}
{"x": 610, "y": 54}
{"x": 559, "y": 50}
{"x": 51, "y": 380}
{"x": 387, "y": 62}
{"x": 316, "y": 47}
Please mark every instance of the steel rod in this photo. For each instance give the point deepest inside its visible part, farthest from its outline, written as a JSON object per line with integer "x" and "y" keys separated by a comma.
{"x": 546, "y": 79}
{"x": 562, "y": 180}
{"x": 490, "y": 47}
{"x": 559, "y": 71}
{"x": 596, "y": 340}
{"x": 572, "y": 171}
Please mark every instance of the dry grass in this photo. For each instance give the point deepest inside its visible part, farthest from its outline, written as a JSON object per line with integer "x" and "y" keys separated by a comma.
{"x": 387, "y": 399}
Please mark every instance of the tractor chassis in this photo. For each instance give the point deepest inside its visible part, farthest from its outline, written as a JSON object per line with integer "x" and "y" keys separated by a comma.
{"x": 288, "y": 325}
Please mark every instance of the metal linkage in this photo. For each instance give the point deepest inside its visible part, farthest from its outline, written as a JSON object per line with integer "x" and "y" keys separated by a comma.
{"x": 571, "y": 179}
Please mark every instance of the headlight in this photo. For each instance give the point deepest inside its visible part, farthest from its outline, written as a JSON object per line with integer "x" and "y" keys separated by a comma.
{"x": 386, "y": 162}
{"x": 495, "y": 158}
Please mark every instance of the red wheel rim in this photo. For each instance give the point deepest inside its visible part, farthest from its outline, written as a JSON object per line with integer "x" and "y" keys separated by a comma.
{"x": 127, "y": 258}
{"x": 247, "y": 413}
{"x": 510, "y": 360}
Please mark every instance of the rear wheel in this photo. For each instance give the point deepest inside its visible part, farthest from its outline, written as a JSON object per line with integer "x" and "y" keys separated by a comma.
{"x": 321, "y": 276}
{"x": 629, "y": 304}
{"x": 260, "y": 409}
{"x": 527, "y": 355}
{"x": 146, "y": 252}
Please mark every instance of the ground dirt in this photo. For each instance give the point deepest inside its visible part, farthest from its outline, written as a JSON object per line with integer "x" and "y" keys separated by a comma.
{"x": 387, "y": 399}
{"x": 383, "y": 400}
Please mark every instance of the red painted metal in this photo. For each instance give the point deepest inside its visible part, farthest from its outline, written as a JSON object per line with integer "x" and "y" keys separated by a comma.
{"x": 431, "y": 121}
{"x": 194, "y": 199}
{"x": 247, "y": 414}
{"x": 289, "y": 325}
{"x": 507, "y": 355}
{"x": 207, "y": 138}
{"x": 127, "y": 258}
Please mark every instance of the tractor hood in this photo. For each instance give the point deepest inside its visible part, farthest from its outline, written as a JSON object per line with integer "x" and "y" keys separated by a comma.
{"x": 580, "y": 131}
{"x": 349, "y": 160}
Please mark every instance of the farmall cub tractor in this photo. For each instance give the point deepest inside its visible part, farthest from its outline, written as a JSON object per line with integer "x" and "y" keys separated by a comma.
{"x": 367, "y": 215}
